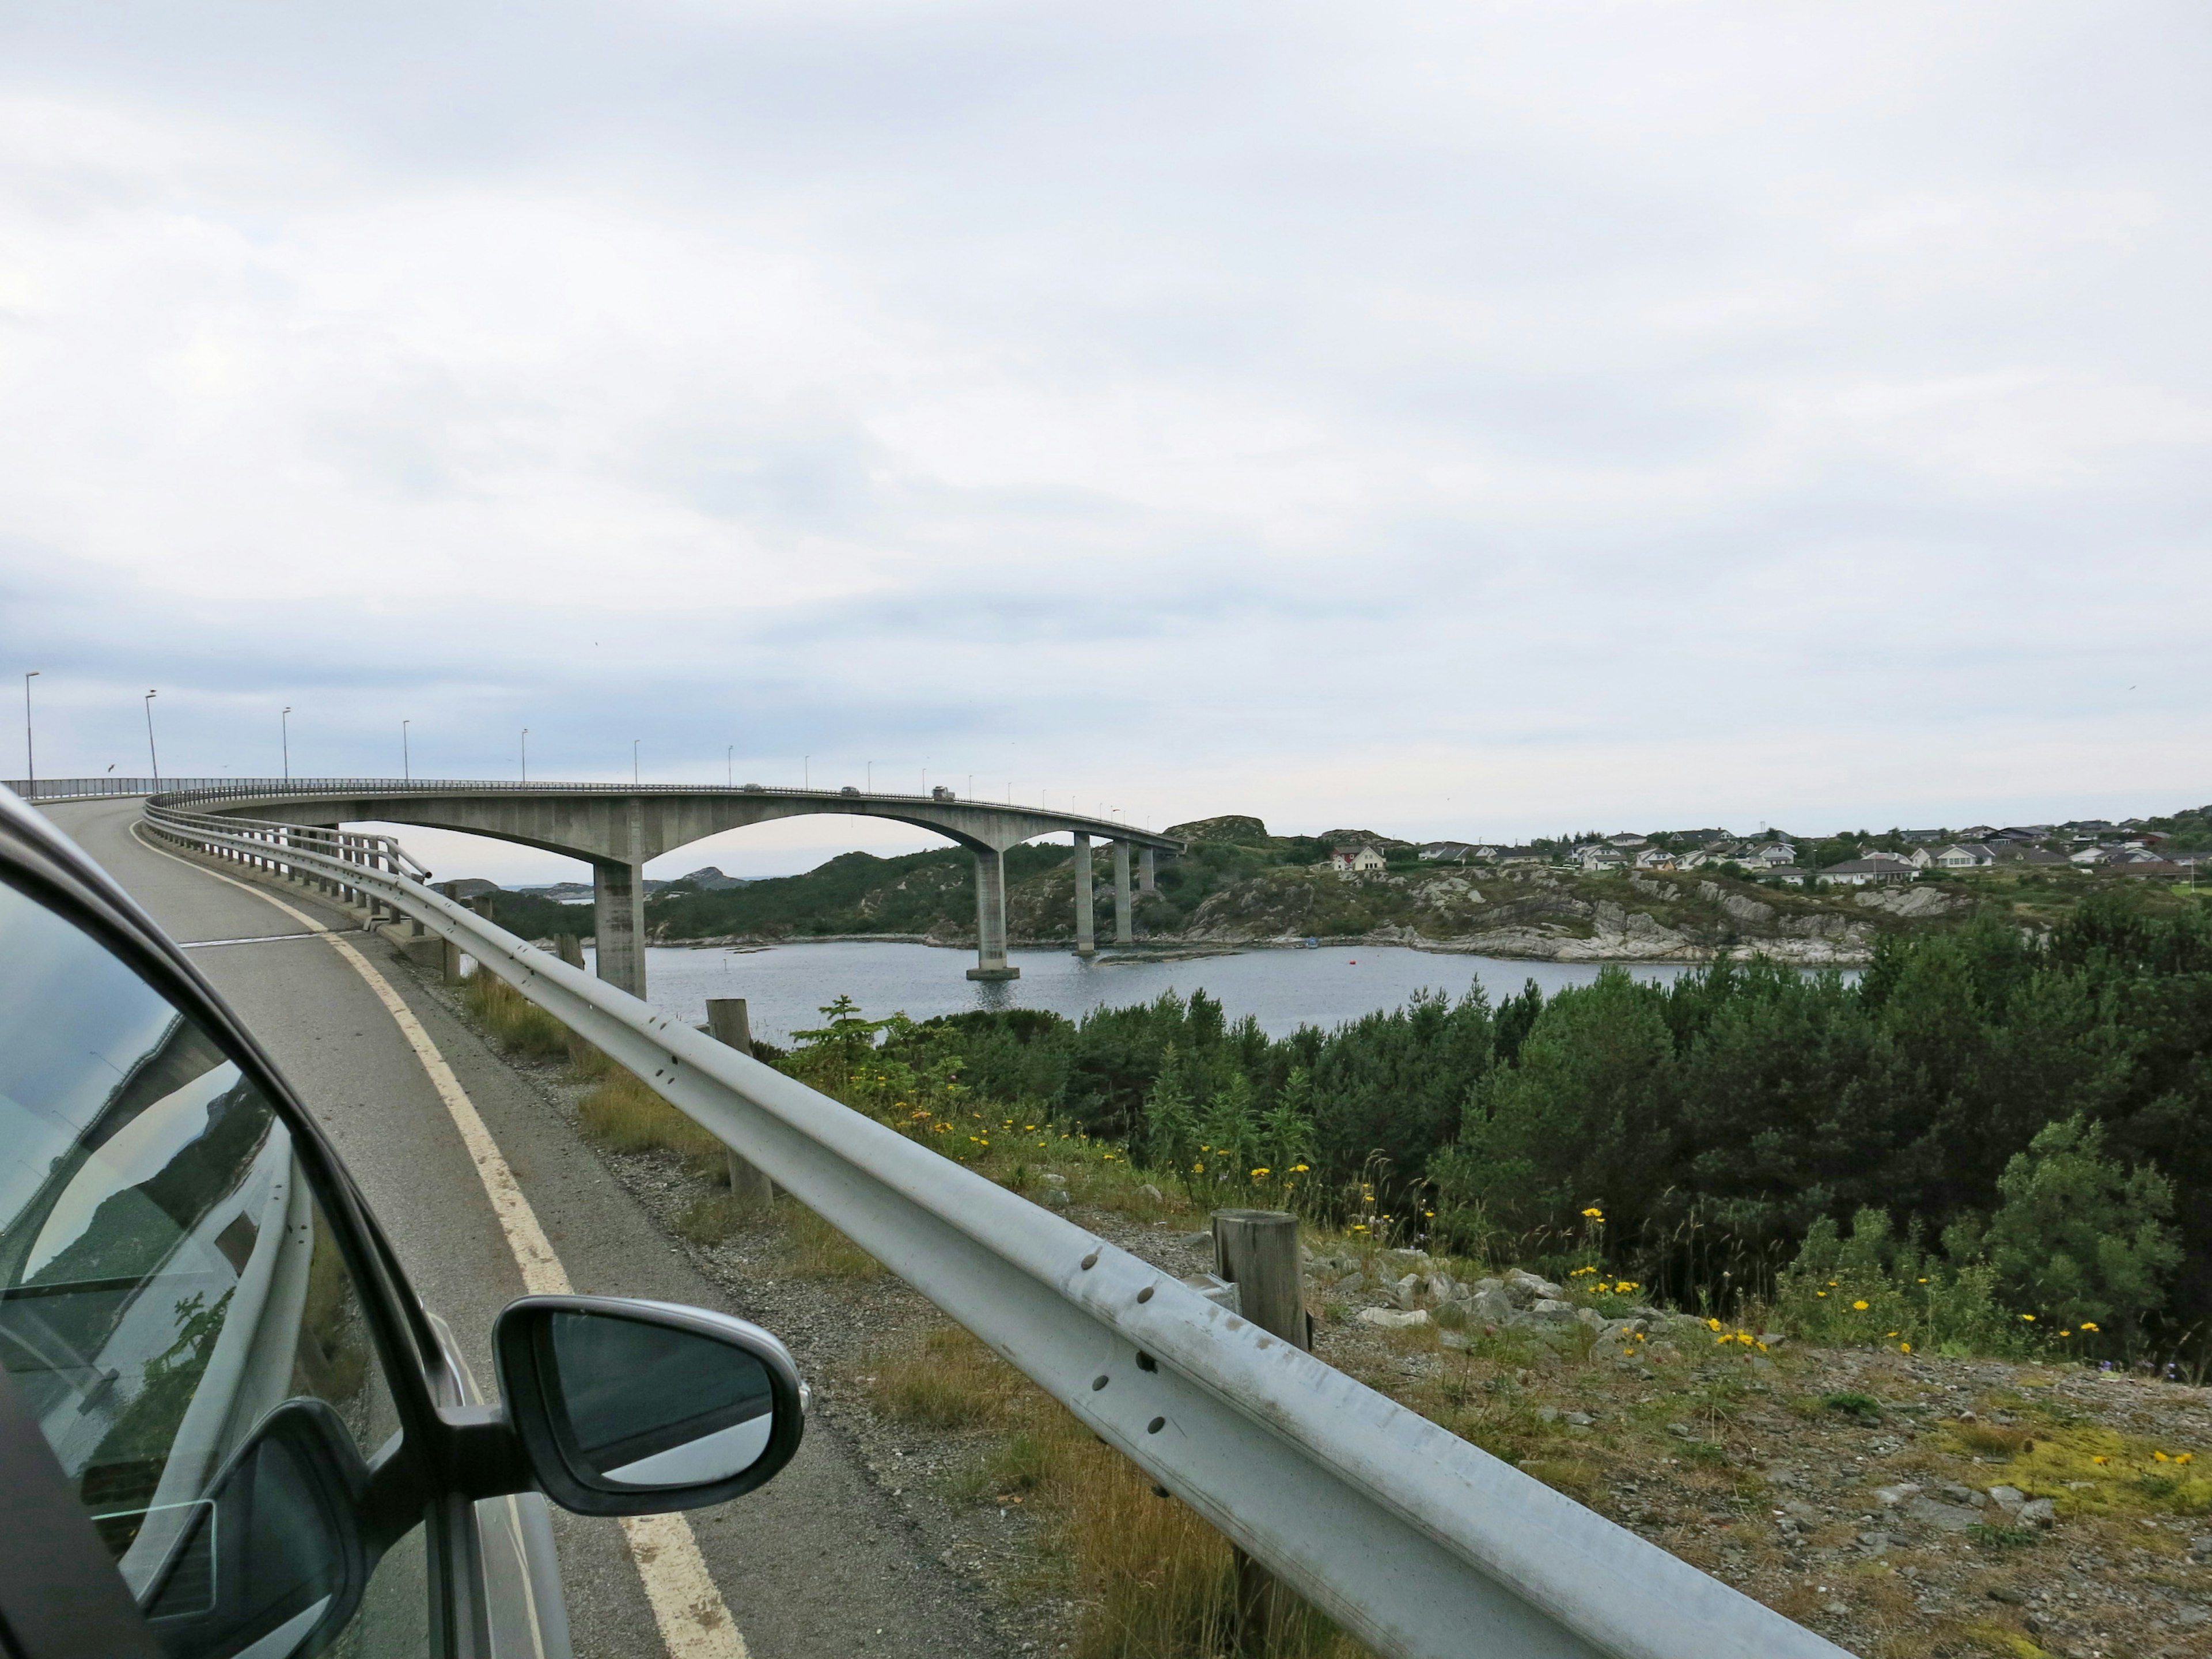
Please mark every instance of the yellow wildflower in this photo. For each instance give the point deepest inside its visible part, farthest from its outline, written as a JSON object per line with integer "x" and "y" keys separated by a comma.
{"x": 1859, "y": 1306}
{"x": 2090, "y": 1325}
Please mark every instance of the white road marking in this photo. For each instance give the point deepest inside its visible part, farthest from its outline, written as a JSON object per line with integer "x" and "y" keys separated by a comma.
{"x": 694, "y": 1621}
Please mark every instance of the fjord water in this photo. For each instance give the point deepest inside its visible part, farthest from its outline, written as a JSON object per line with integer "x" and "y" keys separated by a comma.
{"x": 786, "y": 986}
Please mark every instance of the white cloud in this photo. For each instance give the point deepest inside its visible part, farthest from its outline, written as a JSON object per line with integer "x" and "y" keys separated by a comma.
{"x": 1677, "y": 409}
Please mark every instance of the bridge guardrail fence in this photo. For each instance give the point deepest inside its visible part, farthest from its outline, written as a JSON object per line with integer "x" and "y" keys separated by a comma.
{"x": 1418, "y": 1543}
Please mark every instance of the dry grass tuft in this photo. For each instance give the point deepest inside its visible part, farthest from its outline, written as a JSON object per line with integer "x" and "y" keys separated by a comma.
{"x": 818, "y": 1251}
{"x": 1153, "y": 1579}
{"x": 623, "y": 1115}
{"x": 520, "y": 1026}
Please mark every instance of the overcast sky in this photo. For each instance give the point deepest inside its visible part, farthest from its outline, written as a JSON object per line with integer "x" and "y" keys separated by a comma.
{"x": 1477, "y": 419}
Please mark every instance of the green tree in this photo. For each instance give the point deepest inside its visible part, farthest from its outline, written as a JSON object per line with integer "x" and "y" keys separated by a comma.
{"x": 2077, "y": 1239}
{"x": 1170, "y": 1119}
{"x": 1286, "y": 1138}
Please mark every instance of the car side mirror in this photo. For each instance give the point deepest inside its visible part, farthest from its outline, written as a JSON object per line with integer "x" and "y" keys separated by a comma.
{"x": 272, "y": 1562}
{"x": 632, "y": 1408}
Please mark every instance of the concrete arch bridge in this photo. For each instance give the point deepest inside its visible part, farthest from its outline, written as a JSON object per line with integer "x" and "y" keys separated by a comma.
{"x": 616, "y": 829}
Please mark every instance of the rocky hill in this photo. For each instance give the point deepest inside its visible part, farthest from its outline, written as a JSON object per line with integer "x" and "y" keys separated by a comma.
{"x": 1236, "y": 884}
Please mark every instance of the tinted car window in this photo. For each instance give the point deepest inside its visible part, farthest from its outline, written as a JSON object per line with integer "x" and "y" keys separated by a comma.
{"x": 167, "y": 1276}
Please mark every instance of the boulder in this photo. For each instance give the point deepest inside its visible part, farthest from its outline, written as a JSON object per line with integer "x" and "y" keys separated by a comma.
{"x": 1525, "y": 1288}
{"x": 2038, "y": 1512}
{"x": 2007, "y": 1499}
{"x": 1393, "y": 1319}
{"x": 1407, "y": 1291}
{"x": 1152, "y": 1192}
{"x": 1441, "y": 1287}
{"x": 1351, "y": 1285}
{"x": 1489, "y": 1303}
{"x": 1891, "y": 1497}
{"x": 1547, "y": 1308}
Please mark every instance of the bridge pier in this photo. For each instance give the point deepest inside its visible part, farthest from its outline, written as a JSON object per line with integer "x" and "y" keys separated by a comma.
{"x": 1148, "y": 873}
{"x": 1123, "y": 932}
{"x": 1086, "y": 926}
{"x": 618, "y": 907}
{"x": 991, "y": 917}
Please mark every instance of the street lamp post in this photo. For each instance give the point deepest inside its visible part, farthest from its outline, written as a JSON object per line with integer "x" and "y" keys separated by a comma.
{"x": 153, "y": 756}
{"x": 406, "y": 760}
{"x": 872, "y": 777}
{"x": 806, "y": 773}
{"x": 525, "y": 754}
{"x": 30, "y": 757}
{"x": 729, "y": 767}
{"x": 634, "y": 743}
{"x": 284, "y": 733}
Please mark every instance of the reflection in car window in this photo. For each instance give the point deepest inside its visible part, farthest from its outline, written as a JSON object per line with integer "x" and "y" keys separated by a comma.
{"x": 166, "y": 1275}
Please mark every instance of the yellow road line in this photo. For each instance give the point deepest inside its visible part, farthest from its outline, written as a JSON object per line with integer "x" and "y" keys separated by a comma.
{"x": 694, "y": 1621}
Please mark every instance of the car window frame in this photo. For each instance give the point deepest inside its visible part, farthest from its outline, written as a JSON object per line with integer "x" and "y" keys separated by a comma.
{"x": 410, "y": 1486}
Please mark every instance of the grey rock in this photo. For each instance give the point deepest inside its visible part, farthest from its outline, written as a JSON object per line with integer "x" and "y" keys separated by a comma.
{"x": 2008, "y": 1594}
{"x": 1772, "y": 1338}
{"x": 1453, "y": 1339}
{"x": 1891, "y": 1497}
{"x": 1393, "y": 1319}
{"x": 1548, "y": 1413}
{"x": 1152, "y": 1192}
{"x": 1956, "y": 1493}
{"x": 2189, "y": 1617}
{"x": 1489, "y": 1303}
{"x": 1525, "y": 1288}
{"x": 1682, "y": 1431}
{"x": 1547, "y": 1307}
{"x": 1053, "y": 1180}
{"x": 1199, "y": 1241}
{"x": 1351, "y": 1285}
{"x": 1441, "y": 1287}
{"x": 2201, "y": 1547}
{"x": 1577, "y": 1420}
{"x": 1407, "y": 1291}
{"x": 1874, "y": 1542}
{"x": 2038, "y": 1512}
{"x": 1944, "y": 1517}
{"x": 1056, "y": 1197}
{"x": 1591, "y": 1317}
{"x": 2007, "y": 1499}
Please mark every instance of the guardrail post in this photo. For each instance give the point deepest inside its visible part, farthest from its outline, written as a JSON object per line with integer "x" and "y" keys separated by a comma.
{"x": 729, "y": 1023}
{"x": 570, "y": 950}
{"x": 1257, "y": 1251}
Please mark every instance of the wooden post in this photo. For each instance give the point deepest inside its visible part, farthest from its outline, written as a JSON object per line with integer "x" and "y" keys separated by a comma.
{"x": 571, "y": 949}
{"x": 1257, "y": 1251}
{"x": 729, "y": 1023}
{"x": 449, "y": 962}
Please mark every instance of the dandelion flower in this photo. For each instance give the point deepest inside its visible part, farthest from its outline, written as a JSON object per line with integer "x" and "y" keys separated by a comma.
{"x": 1823, "y": 1294}
{"x": 2161, "y": 1457}
{"x": 2030, "y": 1318}
{"x": 2100, "y": 1460}
{"x": 2185, "y": 1457}
{"x": 2090, "y": 1325}
{"x": 1859, "y": 1306}
{"x": 1712, "y": 1324}
{"x": 1905, "y": 1347}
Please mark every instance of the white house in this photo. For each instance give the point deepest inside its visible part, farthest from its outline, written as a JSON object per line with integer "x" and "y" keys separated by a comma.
{"x": 1599, "y": 857}
{"x": 1857, "y": 873}
{"x": 1350, "y": 862}
{"x": 1655, "y": 858}
{"x": 1966, "y": 855}
{"x": 1776, "y": 854}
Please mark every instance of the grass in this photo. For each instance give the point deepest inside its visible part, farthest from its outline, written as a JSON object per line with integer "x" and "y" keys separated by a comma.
{"x": 1154, "y": 1580}
{"x": 519, "y": 1024}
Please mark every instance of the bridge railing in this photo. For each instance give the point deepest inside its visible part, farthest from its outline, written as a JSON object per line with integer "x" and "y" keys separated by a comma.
{"x": 182, "y": 791}
{"x": 1418, "y": 1543}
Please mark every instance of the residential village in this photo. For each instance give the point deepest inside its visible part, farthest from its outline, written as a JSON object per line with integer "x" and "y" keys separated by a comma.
{"x": 1901, "y": 855}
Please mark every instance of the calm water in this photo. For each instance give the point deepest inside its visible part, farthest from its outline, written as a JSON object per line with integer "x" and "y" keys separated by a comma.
{"x": 786, "y": 986}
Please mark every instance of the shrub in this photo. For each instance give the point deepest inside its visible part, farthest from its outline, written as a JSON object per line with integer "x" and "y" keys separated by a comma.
{"x": 2078, "y": 1241}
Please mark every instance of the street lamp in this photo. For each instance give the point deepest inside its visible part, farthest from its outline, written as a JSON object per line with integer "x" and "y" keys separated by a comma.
{"x": 729, "y": 767}
{"x": 634, "y": 743}
{"x": 806, "y": 773}
{"x": 30, "y": 760}
{"x": 872, "y": 777}
{"x": 284, "y": 732}
{"x": 525, "y": 754}
{"x": 152, "y": 755}
{"x": 406, "y": 761}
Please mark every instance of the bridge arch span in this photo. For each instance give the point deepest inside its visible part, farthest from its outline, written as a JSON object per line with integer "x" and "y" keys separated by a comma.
{"x": 617, "y": 830}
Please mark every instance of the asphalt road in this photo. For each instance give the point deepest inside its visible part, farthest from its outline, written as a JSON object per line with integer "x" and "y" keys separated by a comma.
{"x": 816, "y": 1562}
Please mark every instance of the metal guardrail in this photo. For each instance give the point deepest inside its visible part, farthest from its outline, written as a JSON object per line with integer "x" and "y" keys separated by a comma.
{"x": 101, "y": 787}
{"x": 1418, "y": 1543}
